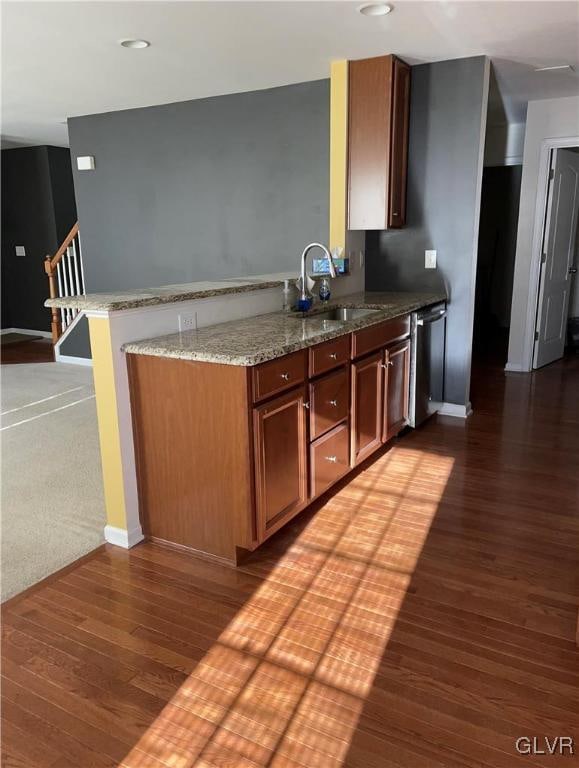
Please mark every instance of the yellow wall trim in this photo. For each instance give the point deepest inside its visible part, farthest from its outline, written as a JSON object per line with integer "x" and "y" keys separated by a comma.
{"x": 108, "y": 422}
{"x": 338, "y": 153}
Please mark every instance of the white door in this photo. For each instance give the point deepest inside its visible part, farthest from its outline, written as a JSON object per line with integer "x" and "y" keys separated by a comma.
{"x": 558, "y": 255}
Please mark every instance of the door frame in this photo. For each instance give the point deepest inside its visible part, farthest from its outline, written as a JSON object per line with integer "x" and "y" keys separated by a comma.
{"x": 537, "y": 244}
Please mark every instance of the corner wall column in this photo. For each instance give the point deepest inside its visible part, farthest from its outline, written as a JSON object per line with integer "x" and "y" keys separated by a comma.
{"x": 351, "y": 242}
{"x": 117, "y": 455}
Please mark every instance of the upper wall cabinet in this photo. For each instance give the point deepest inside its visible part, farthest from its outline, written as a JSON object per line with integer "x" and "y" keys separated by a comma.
{"x": 379, "y": 101}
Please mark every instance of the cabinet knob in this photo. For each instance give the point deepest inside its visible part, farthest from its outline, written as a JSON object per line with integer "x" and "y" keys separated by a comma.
{"x": 333, "y": 459}
{"x": 306, "y": 405}
{"x": 285, "y": 376}
{"x": 333, "y": 356}
{"x": 334, "y": 403}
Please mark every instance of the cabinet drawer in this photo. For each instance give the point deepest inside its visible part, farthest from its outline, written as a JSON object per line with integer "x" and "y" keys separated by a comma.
{"x": 278, "y": 375}
{"x": 329, "y": 355}
{"x": 376, "y": 336}
{"x": 330, "y": 458}
{"x": 329, "y": 398}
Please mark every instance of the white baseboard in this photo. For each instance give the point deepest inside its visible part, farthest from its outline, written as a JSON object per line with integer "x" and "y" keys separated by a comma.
{"x": 72, "y": 360}
{"x": 515, "y": 368}
{"x": 458, "y": 411}
{"x": 121, "y": 538}
{"x": 27, "y": 332}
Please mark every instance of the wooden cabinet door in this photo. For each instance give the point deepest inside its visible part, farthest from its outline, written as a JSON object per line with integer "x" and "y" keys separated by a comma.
{"x": 367, "y": 406}
{"x": 378, "y": 118}
{"x": 369, "y": 136}
{"x": 396, "y": 384}
{"x": 280, "y": 442}
{"x": 399, "y": 148}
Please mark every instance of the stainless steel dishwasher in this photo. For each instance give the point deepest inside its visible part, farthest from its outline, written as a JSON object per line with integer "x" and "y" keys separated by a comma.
{"x": 428, "y": 334}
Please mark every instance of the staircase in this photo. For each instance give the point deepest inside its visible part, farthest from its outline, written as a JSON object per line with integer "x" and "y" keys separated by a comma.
{"x": 65, "y": 278}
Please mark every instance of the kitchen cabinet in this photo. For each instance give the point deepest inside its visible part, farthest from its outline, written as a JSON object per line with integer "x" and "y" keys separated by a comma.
{"x": 280, "y": 460}
{"x": 397, "y": 360}
{"x": 380, "y": 385}
{"x": 329, "y": 402}
{"x": 367, "y": 406}
{"x": 329, "y": 459}
{"x": 227, "y": 454}
{"x": 378, "y": 119}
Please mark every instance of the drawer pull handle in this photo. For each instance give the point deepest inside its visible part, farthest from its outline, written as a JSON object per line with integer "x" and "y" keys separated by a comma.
{"x": 333, "y": 356}
{"x": 334, "y": 403}
{"x": 333, "y": 459}
{"x": 285, "y": 376}
{"x": 386, "y": 365}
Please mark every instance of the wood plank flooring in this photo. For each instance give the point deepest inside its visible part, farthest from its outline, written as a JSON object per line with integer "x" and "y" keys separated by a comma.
{"x": 37, "y": 351}
{"x": 422, "y": 616}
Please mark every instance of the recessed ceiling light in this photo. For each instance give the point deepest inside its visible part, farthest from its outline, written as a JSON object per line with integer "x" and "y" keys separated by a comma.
{"x": 375, "y": 9}
{"x": 135, "y": 43}
{"x": 552, "y": 69}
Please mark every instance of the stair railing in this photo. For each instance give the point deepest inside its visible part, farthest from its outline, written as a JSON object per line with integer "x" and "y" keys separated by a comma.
{"x": 65, "y": 278}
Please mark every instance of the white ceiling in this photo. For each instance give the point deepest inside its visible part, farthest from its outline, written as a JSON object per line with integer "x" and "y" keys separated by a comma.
{"x": 62, "y": 59}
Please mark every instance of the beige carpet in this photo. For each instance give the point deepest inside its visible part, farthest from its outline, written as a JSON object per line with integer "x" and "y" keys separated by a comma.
{"x": 52, "y": 508}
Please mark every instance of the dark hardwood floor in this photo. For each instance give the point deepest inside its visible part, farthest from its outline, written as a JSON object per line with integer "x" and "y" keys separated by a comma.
{"x": 422, "y": 616}
{"x": 36, "y": 351}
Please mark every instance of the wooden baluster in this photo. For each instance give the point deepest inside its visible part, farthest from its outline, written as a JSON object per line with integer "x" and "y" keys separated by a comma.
{"x": 56, "y": 325}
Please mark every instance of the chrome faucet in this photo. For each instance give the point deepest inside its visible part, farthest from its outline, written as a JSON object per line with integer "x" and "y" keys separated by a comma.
{"x": 305, "y": 297}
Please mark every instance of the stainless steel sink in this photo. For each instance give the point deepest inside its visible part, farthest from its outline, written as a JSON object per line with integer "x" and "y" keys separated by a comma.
{"x": 341, "y": 314}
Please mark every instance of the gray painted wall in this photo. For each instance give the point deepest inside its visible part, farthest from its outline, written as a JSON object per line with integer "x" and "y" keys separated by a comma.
{"x": 38, "y": 211}
{"x": 444, "y": 170}
{"x": 222, "y": 187}
{"x": 77, "y": 343}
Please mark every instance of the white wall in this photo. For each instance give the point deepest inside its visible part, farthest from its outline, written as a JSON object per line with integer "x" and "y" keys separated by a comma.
{"x": 574, "y": 302}
{"x": 546, "y": 119}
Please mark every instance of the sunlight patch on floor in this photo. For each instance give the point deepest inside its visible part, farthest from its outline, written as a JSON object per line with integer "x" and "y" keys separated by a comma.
{"x": 286, "y": 682}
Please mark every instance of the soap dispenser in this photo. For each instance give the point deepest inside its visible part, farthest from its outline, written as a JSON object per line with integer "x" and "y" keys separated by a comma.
{"x": 289, "y": 295}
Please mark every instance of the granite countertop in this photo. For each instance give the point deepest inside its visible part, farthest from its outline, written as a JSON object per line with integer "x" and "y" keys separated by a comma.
{"x": 168, "y": 294}
{"x": 254, "y": 340}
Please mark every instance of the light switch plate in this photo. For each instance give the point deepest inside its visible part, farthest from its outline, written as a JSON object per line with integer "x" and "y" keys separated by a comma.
{"x": 430, "y": 259}
{"x": 20, "y": 250}
{"x": 85, "y": 163}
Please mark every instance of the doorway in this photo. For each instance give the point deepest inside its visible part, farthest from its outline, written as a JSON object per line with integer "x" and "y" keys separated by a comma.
{"x": 557, "y": 310}
{"x": 499, "y": 215}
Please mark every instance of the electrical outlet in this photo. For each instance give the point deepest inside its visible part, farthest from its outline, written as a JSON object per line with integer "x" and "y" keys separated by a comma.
{"x": 430, "y": 259}
{"x": 188, "y": 322}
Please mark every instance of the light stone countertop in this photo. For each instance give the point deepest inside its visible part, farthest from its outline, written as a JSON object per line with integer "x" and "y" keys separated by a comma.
{"x": 168, "y": 294}
{"x": 254, "y": 340}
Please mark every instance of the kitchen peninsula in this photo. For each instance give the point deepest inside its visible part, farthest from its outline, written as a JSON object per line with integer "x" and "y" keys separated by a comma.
{"x": 238, "y": 333}
{"x": 240, "y": 425}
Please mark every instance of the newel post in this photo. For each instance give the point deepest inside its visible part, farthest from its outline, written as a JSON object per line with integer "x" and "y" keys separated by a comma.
{"x": 55, "y": 324}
